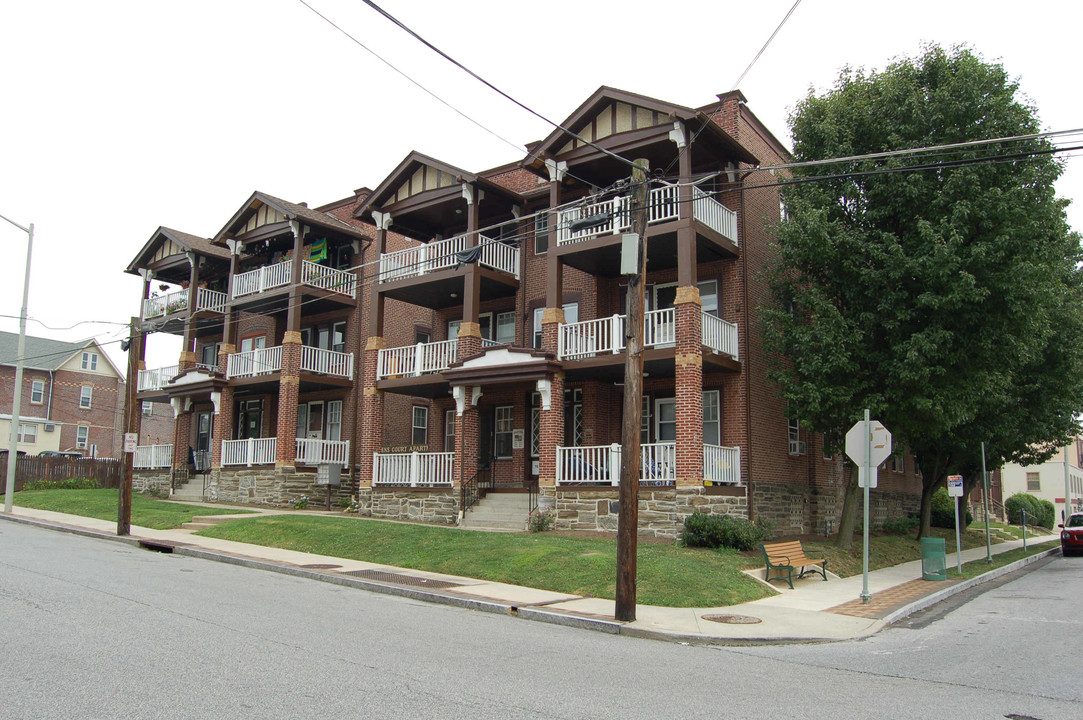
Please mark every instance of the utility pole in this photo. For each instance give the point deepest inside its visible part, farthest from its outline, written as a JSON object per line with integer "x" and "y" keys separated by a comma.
{"x": 628, "y": 517}
{"x": 16, "y": 401}
{"x": 124, "y": 504}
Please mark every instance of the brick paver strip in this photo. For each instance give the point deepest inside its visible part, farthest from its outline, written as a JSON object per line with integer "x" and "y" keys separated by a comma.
{"x": 882, "y": 603}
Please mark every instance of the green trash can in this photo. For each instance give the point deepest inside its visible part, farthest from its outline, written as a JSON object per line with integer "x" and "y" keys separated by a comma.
{"x": 934, "y": 562}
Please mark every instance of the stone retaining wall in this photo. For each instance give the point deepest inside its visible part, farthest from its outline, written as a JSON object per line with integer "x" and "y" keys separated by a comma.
{"x": 273, "y": 486}
{"x": 437, "y": 506}
{"x": 151, "y": 482}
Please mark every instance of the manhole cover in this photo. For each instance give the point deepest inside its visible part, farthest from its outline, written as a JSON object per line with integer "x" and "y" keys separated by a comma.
{"x": 733, "y": 619}
{"x": 397, "y": 579}
{"x": 320, "y": 566}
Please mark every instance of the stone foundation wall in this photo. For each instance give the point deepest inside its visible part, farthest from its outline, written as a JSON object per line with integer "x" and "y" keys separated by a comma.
{"x": 274, "y": 486}
{"x": 440, "y": 507}
{"x": 801, "y": 510}
{"x": 151, "y": 482}
{"x": 661, "y": 510}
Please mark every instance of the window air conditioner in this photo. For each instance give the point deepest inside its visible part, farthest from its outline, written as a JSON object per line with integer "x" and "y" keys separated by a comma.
{"x": 797, "y": 447}
{"x": 50, "y": 427}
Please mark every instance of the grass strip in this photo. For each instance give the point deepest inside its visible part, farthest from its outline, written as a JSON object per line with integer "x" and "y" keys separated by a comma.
{"x": 102, "y": 504}
{"x": 667, "y": 575}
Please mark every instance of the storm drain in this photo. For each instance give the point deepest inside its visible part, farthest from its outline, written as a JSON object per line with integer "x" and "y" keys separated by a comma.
{"x": 320, "y": 566}
{"x": 397, "y": 579}
{"x": 733, "y": 619}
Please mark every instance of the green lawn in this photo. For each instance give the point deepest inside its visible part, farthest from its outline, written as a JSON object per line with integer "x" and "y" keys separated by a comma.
{"x": 667, "y": 575}
{"x": 102, "y": 504}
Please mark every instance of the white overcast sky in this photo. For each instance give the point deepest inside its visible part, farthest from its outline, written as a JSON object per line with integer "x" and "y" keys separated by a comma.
{"x": 119, "y": 116}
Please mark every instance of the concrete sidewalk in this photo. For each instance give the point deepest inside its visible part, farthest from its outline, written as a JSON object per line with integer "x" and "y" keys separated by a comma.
{"x": 814, "y": 611}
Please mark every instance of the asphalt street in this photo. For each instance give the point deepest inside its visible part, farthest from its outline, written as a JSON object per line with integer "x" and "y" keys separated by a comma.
{"x": 94, "y": 628}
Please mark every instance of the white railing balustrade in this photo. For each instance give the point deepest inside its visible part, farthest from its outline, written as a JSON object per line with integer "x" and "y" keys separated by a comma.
{"x": 601, "y": 463}
{"x": 664, "y": 204}
{"x": 251, "y": 363}
{"x": 328, "y": 278}
{"x": 168, "y": 304}
{"x": 443, "y": 254}
{"x": 326, "y": 362}
{"x": 317, "y": 452}
{"x": 588, "y": 338}
{"x": 149, "y": 457}
{"x": 155, "y": 379}
{"x": 264, "y": 278}
{"x": 715, "y": 215}
{"x": 722, "y": 464}
{"x": 416, "y": 360}
{"x": 719, "y": 335}
{"x": 412, "y": 469}
{"x": 253, "y": 451}
{"x": 212, "y": 300}
{"x": 618, "y": 219}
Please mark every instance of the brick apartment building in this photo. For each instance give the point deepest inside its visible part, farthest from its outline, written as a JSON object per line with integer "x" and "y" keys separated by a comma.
{"x": 72, "y": 397}
{"x": 452, "y": 334}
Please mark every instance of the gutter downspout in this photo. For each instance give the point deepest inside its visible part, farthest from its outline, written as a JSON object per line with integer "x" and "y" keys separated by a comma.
{"x": 49, "y": 405}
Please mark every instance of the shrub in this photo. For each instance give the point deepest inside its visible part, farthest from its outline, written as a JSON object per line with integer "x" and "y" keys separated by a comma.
{"x": 300, "y": 503}
{"x": 714, "y": 531}
{"x": 541, "y": 519}
{"x": 1039, "y": 512}
{"x": 943, "y": 510}
{"x": 902, "y": 525}
{"x": 64, "y": 484}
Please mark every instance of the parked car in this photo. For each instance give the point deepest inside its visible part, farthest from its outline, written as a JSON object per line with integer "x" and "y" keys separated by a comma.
{"x": 61, "y": 453}
{"x": 1071, "y": 535}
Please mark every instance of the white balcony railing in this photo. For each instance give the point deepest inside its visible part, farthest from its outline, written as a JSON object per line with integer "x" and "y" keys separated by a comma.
{"x": 149, "y": 457}
{"x": 262, "y": 279}
{"x": 328, "y": 278}
{"x": 251, "y": 363}
{"x": 663, "y": 206}
{"x": 253, "y": 451}
{"x": 443, "y": 254}
{"x": 715, "y": 215}
{"x": 326, "y": 362}
{"x": 598, "y": 337}
{"x": 155, "y": 379}
{"x": 412, "y": 468}
{"x": 719, "y": 335}
{"x": 318, "y": 452}
{"x": 722, "y": 464}
{"x": 211, "y": 300}
{"x": 601, "y": 463}
{"x": 416, "y": 360}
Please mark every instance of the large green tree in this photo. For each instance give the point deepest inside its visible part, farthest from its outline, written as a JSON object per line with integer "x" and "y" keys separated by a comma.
{"x": 940, "y": 290}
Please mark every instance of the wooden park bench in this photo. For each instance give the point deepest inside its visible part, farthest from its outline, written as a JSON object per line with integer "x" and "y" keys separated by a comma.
{"x": 789, "y": 556}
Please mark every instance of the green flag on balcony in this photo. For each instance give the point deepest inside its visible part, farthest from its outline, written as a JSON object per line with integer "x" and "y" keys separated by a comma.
{"x": 318, "y": 250}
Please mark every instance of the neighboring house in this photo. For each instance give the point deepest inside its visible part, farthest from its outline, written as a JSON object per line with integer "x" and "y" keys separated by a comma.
{"x": 1047, "y": 480}
{"x": 452, "y": 330}
{"x": 72, "y": 397}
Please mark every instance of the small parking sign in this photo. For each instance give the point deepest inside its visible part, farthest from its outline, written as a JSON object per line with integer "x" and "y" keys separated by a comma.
{"x": 955, "y": 485}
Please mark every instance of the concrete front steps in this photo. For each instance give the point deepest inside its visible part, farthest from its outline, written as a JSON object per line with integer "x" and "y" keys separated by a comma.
{"x": 191, "y": 491}
{"x": 202, "y": 522}
{"x": 497, "y": 511}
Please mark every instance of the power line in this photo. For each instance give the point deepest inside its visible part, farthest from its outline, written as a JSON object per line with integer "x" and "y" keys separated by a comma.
{"x": 489, "y": 85}
{"x": 738, "y": 82}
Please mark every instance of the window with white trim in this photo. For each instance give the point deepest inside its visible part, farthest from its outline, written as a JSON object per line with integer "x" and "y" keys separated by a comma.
{"x": 333, "y": 431}
{"x": 37, "y": 392}
{"x": 90, "y": 361}
{"x": 420, "y": 434}
{"x": 86, "y": 394}
{"x": 1034, "y": 482}
{"x": 505, "y": 328}
{"x": 708, "y": 295}
{"x": 148, "y": 408}
{"x": 541, "y": 233}
{"x": 82, "y": 434}
{"x": 28, "y": 433}
{"x": 797, "y": 445}
{"x": 712, "y": 417}
{"x": 571, "y": 315}
{"x": 502, "y": 431}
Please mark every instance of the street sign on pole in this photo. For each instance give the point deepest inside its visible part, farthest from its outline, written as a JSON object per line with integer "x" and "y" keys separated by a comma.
{"x": 131, "y": 441}
{"x": 868, "y": 443}
{"x": 955, "y": 485}
{"x": 955, "y": 490}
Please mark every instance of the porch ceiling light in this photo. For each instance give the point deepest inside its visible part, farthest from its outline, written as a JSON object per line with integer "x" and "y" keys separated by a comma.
{"x": 590, "y": 221}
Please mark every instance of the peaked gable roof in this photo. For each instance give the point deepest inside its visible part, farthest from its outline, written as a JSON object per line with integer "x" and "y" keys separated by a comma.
{"x": 165, "y": 241}
{"x": 623, "y": 111}
{"x": 45, "y": 353}
{"x": 419, "y": 173}
{"x": 289, "y": 211}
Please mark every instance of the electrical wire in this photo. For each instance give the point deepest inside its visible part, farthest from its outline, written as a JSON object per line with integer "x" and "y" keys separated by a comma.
{"x": 489, "y": 85}
{"x": 738, "y": 82}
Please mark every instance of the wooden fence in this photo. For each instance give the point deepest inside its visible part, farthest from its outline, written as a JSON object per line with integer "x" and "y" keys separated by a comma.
{"x": 106, "y": 471}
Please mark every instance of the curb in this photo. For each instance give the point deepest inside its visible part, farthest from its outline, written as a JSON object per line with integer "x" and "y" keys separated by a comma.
{"x": 941, "y": 595}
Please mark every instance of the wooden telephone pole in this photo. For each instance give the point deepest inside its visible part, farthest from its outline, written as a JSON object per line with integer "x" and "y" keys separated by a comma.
{"x": 131, "y": 425}
{"x": 628, "y": 518}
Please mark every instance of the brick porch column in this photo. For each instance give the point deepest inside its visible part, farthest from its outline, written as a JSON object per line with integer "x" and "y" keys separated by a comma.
{"x": 289, "y": 386}
{"x": 688, "y": 311}
{"x": 467, "y": 434}
{"x": 222, "y": 429}
{"x": 182, "y": 435}
{"x": 551, "y": 432}
{"x": 469, "y": 339}
{"x": 371, "y": 428}
{"x": 186, "y": 360}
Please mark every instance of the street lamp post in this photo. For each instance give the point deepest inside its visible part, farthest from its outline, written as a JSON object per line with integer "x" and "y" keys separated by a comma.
{"x": 16, "y": 403}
